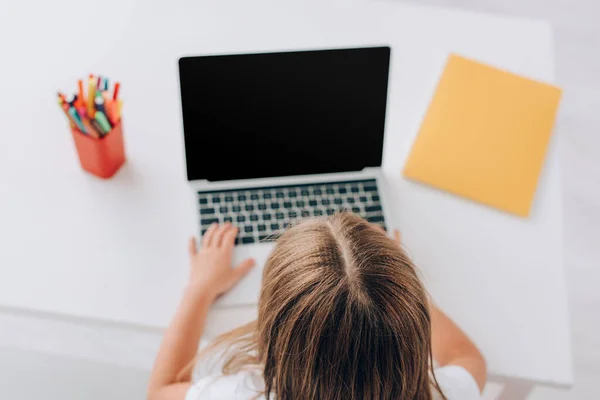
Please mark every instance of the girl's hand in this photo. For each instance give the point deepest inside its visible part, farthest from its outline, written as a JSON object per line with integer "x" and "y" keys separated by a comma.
{"x": 211, "y": 270}
{"x": 397, "y": 236}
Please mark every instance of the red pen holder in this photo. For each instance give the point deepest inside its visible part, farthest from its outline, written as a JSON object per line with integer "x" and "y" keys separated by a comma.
{"x": 103, "y": 156}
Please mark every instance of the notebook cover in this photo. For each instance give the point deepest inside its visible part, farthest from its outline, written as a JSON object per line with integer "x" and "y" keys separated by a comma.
{"x": 485, "y": 135}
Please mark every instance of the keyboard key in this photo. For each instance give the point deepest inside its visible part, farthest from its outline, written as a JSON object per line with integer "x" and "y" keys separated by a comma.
{"x": 236, "y": 209}
{"x": 292, "y": 194}
{"x": 312, "y": 203}
{"x": 254, "y": 196}
{"x": 263, "y": 238}
{"x": 325, "y": 202}
{"x": 343, "y": 190}
{"x": 228, "y": 199}
{"x": 363, "y": 199}
{"x": 249, "y": 207}
{"x": 330, "y": 190}
{"x": 248, "y": 229}
{"x": 293, "y": 214}
{"x": 318, "y": 213}
{"x": 242, "y": 197}
{"x": 287, "y": 204}
{"x": 338, "y": 201}
{"x": 247, "y": 240}
{"x": 275, "y": 206}
{"x": 372, "y": 209}
{"x": 354, "y": 189}
{"x": 375, "y": 197}
{"x": 370, "y": 187}
{"x": 318, "y": 192}
{"x": 253, "y": 217}
{"x": 356, "y": 210}
{"x": 228, "y": 219}
{"x": 223, "y": 209}
{"x": 304, "y": 192}
{"x": 262, "y": 206}
{"x": 279, "y": 215}
{"x": 262, "y": 227}
{"x": 279, "y": 195}
{"x": 375, "y": 218}
{"x": 216, "y": 199}
{"x": 300, "y": 203}
{"x": 305, "y": 213}
{"x": 209, "y": 221}
{"x": 274, "y": 227}
{"x": 267, "y": 196}
{"x": 266, "y": 217}
{"x": 203, "y": 200}
{"x": 205, "y": 211}
{"x": 331, "y": 211}
{"x": 241, "y": 218}
{"x": 350, "y": 200}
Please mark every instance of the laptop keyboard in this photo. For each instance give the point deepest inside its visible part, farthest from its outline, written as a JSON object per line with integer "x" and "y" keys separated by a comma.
{"x": 262, "y": 213}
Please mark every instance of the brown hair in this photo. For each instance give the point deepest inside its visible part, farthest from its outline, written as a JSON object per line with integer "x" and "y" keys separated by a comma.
{"x": 342, "y": 315}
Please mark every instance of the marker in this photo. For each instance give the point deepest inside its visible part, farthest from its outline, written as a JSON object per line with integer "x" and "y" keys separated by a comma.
{"x": 71, "y": 99}
{"x": 101, "y": 118}
{"x": 106, "y": 84}
{"x": 81, "y": 97}
{"x": 110, "y": 108}
{"x": 90, "y": 129}
{"x": 99, "y": 82}
{"x": 97, "y": 127}
{"x": 116, "y": 91}
{"x": 99, "y": 102}
{"x": 65, "y": 107}
{"x": 91, "y": 95}
{"x": 119, "y": 109}
{"x": 77, "y": 119}
{"x": 61, "y": 97}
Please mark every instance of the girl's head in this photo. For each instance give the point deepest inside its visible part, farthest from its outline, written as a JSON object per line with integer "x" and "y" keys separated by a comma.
{"x": 342, "y": 315}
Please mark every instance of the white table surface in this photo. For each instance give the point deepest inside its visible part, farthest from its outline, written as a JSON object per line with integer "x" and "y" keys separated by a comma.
{"x": 116, "y": 250}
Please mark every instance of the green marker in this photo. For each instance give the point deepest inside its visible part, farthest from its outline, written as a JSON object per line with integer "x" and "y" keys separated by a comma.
{"x": 103, "y": 121}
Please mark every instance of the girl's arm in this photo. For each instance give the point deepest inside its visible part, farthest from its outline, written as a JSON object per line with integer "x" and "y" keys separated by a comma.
{"x": 451, "y": 346}
{"x": 210, "y": 276}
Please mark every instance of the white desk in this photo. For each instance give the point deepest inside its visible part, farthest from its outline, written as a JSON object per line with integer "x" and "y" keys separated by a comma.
{"x": 116, "y": 250}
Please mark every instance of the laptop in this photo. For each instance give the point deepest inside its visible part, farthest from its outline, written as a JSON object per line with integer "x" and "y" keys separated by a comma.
{"x": 272, "y": 138}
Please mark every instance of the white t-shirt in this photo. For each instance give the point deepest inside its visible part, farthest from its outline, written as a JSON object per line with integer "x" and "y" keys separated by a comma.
{"x": 455, "y": 382}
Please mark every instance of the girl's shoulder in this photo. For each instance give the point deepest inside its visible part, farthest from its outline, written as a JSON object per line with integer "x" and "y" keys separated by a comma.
{"x": 457, "y": 383}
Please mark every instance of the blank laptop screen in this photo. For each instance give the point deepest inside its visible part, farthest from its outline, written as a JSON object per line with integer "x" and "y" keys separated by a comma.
{"x": 281, "y": 114}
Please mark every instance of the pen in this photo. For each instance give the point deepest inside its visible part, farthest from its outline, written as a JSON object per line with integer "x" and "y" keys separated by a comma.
{"x": 91, "y": 95}
{"x": 106, "y": 84}
{"x": 99, "y": 82}
{"x": 116, "y": 91}
{"x": 101, "y": 118}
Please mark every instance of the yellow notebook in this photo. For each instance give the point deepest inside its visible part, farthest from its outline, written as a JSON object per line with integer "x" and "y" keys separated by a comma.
{"x": 485, "y": 135}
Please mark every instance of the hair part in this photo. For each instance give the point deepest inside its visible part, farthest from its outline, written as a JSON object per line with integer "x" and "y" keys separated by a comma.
{"x": 342, "y": 315}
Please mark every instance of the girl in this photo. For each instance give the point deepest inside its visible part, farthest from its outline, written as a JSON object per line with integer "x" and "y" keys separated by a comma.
{"x": 342, "y": 315}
